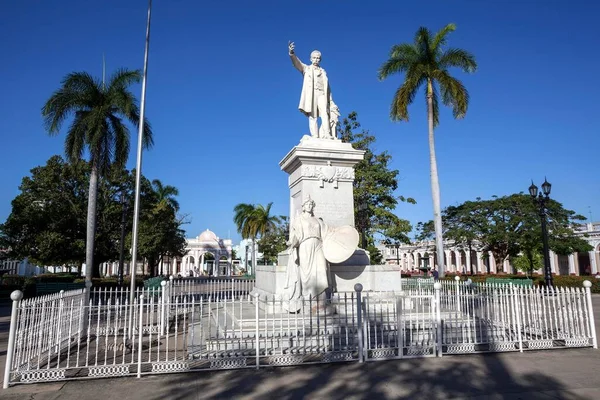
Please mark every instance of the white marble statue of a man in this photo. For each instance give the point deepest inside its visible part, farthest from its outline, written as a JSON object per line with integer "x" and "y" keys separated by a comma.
{"x": 315, "y": 100}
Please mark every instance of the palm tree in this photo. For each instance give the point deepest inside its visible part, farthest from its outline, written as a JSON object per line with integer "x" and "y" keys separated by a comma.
{"x": 166, "y": 194}
{"x": 97, "y": 128}
{"x": 426, "y": 62}
{"x": 254, "y": 220}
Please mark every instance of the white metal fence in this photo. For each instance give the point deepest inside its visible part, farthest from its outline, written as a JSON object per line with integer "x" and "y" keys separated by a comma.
{"x": 178, "y": 329}
{"x": 203, "y": 288}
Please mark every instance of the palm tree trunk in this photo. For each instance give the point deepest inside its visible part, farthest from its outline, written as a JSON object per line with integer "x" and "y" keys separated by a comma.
{"x": 435, "y": 185}
{"x": 91, "y": 224}
{"x": 89, "y": 242}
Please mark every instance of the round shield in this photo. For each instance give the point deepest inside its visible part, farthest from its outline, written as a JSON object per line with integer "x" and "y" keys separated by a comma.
{"x": 340, "y": 244}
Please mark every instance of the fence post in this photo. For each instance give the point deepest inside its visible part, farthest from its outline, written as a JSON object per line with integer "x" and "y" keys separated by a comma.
{"x": 16, "y": 297}
{"x": 256, "y": 338}
{"x": 163, "y": 316}
{"x": 358, "y": 288}
{"x": 516, "y": 295}
{"x": 438, "y": 317}
{"x": 61, "y": 305}
{"x": 86, "y": 308}
{"x": 457, "y": 280}
{"x": 588, "y": 294}
{"x": 140, "y": 334}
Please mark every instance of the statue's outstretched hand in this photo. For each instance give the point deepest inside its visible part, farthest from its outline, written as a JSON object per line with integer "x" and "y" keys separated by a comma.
{"x": 290, "y": 48}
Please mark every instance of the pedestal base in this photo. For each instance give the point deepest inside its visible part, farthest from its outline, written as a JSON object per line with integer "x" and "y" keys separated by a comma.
{"x": 271, "y": 279}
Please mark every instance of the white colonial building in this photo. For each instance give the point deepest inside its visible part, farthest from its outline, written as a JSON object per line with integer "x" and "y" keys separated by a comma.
{"x": 206, "y": 254}
{"x": 459, "y": 259}
{"x": 21, "y": 267}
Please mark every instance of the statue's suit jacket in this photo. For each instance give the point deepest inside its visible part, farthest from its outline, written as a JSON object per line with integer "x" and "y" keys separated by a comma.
{"x": 307, "y": 98}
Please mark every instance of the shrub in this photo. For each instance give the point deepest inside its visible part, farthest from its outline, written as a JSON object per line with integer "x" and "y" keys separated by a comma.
{"x": 56, "y": 278}
{"x": 572, "y": 281}
{"x": 13, "y": 280}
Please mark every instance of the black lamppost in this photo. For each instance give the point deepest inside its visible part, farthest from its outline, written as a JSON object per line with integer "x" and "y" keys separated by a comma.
{"x": 541, "y": 200}
{"x": 397, "y": 246}
{"x": 122, "y": 243}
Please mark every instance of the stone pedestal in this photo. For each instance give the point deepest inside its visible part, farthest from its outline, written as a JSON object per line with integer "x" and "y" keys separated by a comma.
{"x": 271, "y": 279}
{"x": 323, "y": 169}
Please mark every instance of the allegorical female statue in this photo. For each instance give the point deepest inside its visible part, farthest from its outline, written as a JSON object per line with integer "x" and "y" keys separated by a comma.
{"x": 312, "y": 244}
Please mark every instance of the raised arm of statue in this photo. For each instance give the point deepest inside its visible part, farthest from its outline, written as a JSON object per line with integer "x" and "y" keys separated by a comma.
{"x": 295, "y": 60}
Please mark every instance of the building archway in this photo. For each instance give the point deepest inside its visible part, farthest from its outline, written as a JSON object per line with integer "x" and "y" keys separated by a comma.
{"x": 223, "y": 266}
{"x": 207, "y": 250}
{"x": 453, "y": 267}
{"x": 585, "y": 263}
{"x": 563, "y": 265}
{"x": 190, "y": 263}
{"x": 208, "y": 263}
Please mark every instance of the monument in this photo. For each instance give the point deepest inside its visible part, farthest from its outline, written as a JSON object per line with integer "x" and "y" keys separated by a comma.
{"x": 323, "y": 253}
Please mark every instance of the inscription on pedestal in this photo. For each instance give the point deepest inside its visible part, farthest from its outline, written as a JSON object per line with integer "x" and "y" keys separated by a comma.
{"x": 333, "y": 213}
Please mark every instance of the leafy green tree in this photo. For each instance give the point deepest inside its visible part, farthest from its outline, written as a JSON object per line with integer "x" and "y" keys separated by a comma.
{"x": 528, "y": 263}
{"x": 424, "y": 231}
{"x": 98, "y": 111}
{"x": 374, "y": 186}
{"x": 461, "y": 224}
{"x": 47, "y": 220}
{"x": 253, "y": 221}
{"x": 509, "y": 227}
{"x": 426, "y": 62}
{"x": 160, "y": 234}
{"x": 273, "y": 241}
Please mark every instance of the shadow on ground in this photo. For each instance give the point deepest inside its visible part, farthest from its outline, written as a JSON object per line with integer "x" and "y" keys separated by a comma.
{"x": 451, "y": 377}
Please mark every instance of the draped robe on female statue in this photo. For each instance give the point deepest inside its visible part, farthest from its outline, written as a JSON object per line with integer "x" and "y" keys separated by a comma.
{"x": 307, "y": 271}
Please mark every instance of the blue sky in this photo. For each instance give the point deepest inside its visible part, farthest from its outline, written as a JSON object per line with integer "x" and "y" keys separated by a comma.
{"x": 222, "y": 94}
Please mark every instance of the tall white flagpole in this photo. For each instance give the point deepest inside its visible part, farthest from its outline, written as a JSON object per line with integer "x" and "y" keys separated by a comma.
{"x": 138, "y": 167}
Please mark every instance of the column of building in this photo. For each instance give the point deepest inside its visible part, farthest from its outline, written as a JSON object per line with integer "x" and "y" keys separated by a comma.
{"x": 593, "y": 261}
{"x": 458, "y": 256}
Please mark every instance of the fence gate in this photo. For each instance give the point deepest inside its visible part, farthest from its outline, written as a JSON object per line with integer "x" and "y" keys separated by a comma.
{"x": 400, "y": 326}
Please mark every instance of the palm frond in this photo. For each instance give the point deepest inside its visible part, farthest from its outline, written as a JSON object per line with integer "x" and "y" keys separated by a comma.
{"x": 121, "y": 140}
{"x": 157, "y": 185}
{"x": 401, "y": 58}
{"x": 105, "y": 146}
{"x": 75, "y": 140}
{"x": 125, "y": 104}
{"x": 63, "y": 103}
{"x": 423, "y": 45}
{"x": 241, "y": 218}
{"x": 439, "y": 40}
{"x": 123, "y": 78}
{"x": 422, "y": 36}
{"x": 454, "y": 93}
{"x": 458, "y": 58}
{"x": 406, "y": 93}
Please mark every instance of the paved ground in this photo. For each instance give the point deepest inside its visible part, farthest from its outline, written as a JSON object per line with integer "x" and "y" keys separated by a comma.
{"x": 551, "y": 374}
